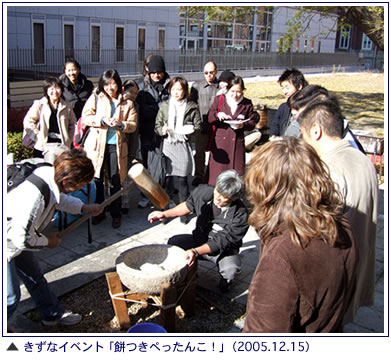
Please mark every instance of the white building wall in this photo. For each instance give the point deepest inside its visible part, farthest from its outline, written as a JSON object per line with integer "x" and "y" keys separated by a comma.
{"x": 282, "y": 15}
{"x": 19, "y": 19}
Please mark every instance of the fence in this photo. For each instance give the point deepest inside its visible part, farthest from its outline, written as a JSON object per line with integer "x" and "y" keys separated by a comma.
{"x": 25, "y": 64}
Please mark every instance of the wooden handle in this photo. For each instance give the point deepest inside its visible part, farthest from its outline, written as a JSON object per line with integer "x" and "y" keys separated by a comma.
{"x": 145, "y": 182}
{"x": 108, "y": 201}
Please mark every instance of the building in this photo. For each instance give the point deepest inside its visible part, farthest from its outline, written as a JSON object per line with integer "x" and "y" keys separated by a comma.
{"x": 92, "y": 34}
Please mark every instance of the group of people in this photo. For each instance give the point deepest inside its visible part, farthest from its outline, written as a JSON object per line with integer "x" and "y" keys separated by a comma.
{"x": 308, "y": 192}
{"x": 313, "y": 199}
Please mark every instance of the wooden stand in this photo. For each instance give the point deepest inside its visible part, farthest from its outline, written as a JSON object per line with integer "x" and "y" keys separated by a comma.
{"x": 170, "y": 296}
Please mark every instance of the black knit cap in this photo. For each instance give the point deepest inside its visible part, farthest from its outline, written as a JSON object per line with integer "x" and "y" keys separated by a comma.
{"x": 226, "y": 76}
{"x": 156, "y": 64}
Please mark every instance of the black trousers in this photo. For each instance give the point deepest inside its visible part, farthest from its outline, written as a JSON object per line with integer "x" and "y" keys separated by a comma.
{"x": 110, "y": 164}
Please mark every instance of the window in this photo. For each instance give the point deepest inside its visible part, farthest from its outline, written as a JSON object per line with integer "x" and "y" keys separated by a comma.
{"x": 162, "y": 39}
{"x": 305, "y": 45}
{"x": 95, "y": 43}
{"x": 68, "y": 41}
{"x": 344, "y": 37}
{"x": 141, "y": 44}
{"x": 366, "y": 43}
{"x": 38, "y": 43}
{"x": 119, "y": 44}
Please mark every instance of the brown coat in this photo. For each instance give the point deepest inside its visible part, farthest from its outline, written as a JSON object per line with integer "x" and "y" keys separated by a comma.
{"x": 295, "y": 290}
{"x": 95, "y": 144}
{"x": 36, "y": 122}
{"x": 228, "y": 150}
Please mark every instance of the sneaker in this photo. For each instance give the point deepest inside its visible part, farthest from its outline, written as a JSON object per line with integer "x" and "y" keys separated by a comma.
{"x": 116, "y": 223}
{"x": 67, "y": 319}
{"x": 143, "y": 203}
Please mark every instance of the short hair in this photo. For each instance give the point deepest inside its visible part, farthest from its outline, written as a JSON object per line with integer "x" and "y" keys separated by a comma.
{"x": 289, "y": 187}
{"x": 326, "y": 113}
{"x": 49, "y": 82}
{"x": 211, "y": 62}
{"x": 72, "y": 61}
{"x": 295, "y": 76}
{"x": 309, "y": 94}
{"x": 237, "y": 80}
{"x": 127, "y": 86}
{"x": 104, "y": 79}
{"x": 230, "y": 184}
{"x": 73, "y": 166}
{"x": 184, "y": 84}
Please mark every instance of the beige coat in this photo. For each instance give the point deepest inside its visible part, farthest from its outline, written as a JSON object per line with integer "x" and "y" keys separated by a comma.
{"x": 36, "y": 122}
{"x": 96, "y": 108}
{"x": 356, "y": 178}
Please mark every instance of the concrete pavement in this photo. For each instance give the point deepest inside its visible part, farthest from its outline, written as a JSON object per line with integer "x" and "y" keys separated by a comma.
{"x": 76, "y": 262}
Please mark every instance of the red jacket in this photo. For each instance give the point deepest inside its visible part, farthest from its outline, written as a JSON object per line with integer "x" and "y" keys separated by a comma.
{"x": 228, "y": 150}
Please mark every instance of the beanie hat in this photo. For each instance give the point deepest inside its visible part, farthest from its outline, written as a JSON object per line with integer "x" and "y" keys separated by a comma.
{"x": 226, "y": 76}
{"x": 156, "y": 64}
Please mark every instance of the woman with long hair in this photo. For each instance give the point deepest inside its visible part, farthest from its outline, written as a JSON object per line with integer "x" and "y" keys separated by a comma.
{"x": 305, "y": 276}
{"x": 177, "y": 119}
{"x": 110, "y": 117}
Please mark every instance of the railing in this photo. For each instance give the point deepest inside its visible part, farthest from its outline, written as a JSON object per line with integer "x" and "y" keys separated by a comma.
{"x": 21, "y": 62}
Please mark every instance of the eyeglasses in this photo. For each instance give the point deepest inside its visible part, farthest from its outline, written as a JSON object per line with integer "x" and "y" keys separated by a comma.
{"x": 209, "y": 72}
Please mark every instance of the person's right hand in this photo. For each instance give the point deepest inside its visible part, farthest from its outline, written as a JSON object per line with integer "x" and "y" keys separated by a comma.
{"x": 156, "y": 216}
{"x": 54, "y": 240}
{"x": 223, "y": 116}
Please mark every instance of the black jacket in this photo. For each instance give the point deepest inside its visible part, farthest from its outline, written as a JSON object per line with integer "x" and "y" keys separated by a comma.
{"x": 78, "y": 94}
{"x": 280, "y": 120}
{"x": 226, "y": 231}
{"x": 149, "y": 100}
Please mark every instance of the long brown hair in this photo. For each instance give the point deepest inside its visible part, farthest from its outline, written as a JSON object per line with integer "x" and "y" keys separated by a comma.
{"x": 289, "y": 186}
{"x": 74, "y": 167}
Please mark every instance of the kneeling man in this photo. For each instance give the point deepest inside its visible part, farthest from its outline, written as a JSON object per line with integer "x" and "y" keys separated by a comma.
{"x": 220, "y": 227}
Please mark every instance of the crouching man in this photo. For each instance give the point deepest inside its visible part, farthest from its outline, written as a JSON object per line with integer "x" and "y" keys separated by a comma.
{"x": 220, "y": 227}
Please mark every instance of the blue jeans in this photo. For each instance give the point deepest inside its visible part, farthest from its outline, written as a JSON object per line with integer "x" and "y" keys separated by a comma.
{"x": 26, "y": 267}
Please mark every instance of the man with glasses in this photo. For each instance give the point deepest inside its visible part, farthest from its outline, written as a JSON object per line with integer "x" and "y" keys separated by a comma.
{"x": 203, "y": 93}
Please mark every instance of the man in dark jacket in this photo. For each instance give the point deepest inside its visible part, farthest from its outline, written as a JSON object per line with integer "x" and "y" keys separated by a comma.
{"x": 153, "y": 90}
{"x": 283, "y": 123}
{"x": 203, "y": 92}
{"x": 222, "y": 222}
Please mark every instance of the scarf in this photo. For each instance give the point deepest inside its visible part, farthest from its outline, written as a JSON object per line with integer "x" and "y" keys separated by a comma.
{"x": 176, "y": 117}
{"x": 233, "y": 104}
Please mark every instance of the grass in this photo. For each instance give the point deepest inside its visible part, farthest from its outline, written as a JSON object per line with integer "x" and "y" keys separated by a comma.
{"x": 361, "y": 96}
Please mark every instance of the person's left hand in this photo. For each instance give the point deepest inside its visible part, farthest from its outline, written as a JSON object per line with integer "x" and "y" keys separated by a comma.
{"x": 92, "y": 209}
{"x": 190, "y": 257}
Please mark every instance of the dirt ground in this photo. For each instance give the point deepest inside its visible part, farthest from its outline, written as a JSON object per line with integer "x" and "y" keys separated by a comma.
{"x": 213, "y": 312}
{"x": 361, "y": 96}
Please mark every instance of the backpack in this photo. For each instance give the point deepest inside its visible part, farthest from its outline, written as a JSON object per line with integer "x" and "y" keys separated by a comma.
{"x": 80, "y": 134}
{"x": 17, "y": 173}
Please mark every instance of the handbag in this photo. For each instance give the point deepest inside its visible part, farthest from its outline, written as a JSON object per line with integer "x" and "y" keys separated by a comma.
{"x": 213, "y": 128}
{"x": 27, "y": 141}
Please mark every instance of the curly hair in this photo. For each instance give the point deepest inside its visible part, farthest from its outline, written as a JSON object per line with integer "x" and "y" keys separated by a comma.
{"x": 290, "y": 187}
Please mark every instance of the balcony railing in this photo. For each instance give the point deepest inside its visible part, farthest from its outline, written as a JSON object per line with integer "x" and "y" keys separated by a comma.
{"x": 94, "y": 62}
